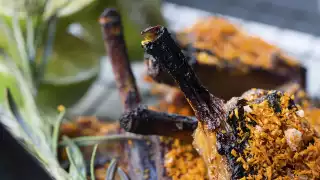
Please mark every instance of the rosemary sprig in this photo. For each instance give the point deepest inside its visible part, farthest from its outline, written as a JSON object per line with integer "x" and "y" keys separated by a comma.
{"x": 56, "y": 128}
{"x": 111, "y": 171}
{"x": 77, "y": 164}
{"x": 52, "y": 23}
{"x": 93, "y": 157}
{"x": 91, "y": 140}
{"x": 122, "y": 174}
{"x": 20, "y": 42}
{"x": 30, "y": 40}
{"x": 73, "y": 167}
{"x": 28, "y": 77}
{"x": 16, "y": 113}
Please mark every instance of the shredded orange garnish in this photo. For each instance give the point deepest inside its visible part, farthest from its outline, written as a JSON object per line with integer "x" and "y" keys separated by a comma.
{"x": 229, "y": 43}
{"x": 181, "y": 160}
{"x": 284, "y": 146}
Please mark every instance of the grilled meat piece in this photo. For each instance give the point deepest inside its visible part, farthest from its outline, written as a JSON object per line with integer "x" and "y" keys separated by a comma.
{"x": 260, "y": 135}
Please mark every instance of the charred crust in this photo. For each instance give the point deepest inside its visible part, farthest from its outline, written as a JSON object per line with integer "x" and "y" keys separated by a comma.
{"x": 226, "y": 142}
{"x": 155, "y": 71}
{"x": 110, "y": 12}
{"x": 110, "y": 18}
{"x": 112, "y": 31}
{"x": 132, "y": 99}
{"x": 130, "y": 119}
{"x": 274, "y": 100}
{"x": 141, "y": 120}
{"x": 170, "y": 57}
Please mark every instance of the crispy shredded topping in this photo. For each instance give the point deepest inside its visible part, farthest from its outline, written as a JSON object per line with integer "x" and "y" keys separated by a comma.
{"x": 227, "y": 43}
{"x": 279, "y": 141}
{"x": 284, "y": 145}
{"x": 181, "y": 161}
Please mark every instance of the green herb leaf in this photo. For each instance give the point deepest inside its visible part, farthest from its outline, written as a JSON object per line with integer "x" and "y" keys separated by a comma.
{"x": 24, "y": 109}
{"x": 77, "y": 168}
{"x": 15, "y": 111}
{"x": 111, "y": 171}
{"x": 91, "y": 140}
{"x": 122, "y": 174}
{"x": 55, "y": 134}
{"x": 27, "y": 7}
{"x": 93, "y": 157}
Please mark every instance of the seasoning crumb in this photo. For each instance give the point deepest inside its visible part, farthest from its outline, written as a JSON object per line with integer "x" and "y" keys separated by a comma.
{"x": 259, "y": 128}
{"x": 234, "y": 153}
{"x": 293, "y": 138}
{"x": 300, "y": 113}
{"x": 247, "y": 109}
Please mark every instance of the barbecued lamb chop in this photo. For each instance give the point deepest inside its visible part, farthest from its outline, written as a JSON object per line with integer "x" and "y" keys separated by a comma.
{"x": 260, "y": 135}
